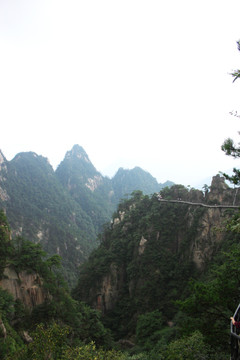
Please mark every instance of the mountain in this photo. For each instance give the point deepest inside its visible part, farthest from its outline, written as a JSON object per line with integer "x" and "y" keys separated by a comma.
{"x": 97, "y": 194}
{"x": 41, "y": 210}
{"x": 137, "y": 278}
{"x": 87, "y": 186}
{"x": 66, "y": 209}
{"x": 152, "y": 249}
{"x": 125, "y": 181}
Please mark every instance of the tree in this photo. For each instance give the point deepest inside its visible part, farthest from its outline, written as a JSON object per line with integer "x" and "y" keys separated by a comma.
{"x": 48, "y": 343}
{"x": 228, "y": 146}
{"x": 148, "y": 327}
{"x": 233, "y": 150}
{"x": 205, "y": 189}
{"x": 190, "y": 348}
{"x": 54, "y": 261}
{"x": 213, "y": 300}
{"x": 236, "y": 73}
{"x": 28, "y": 255}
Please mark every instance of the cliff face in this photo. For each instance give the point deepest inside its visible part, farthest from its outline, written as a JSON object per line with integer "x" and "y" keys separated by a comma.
{"x": 109, "y": 289}
{"x": 157, "y": 246}
{"x": 207, "y": 236}
{"x": 25, "y": 286}
{"x": 211, "y": 225}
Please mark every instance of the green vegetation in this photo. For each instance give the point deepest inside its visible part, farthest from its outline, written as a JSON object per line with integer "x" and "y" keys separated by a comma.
{"x": 148, "y": 329}
{"x": 56, "y": 324}
{"x": 40, "y": 209}
{"x": 5, "y": 247}
{"x": 161, "y": 303}
{"x": 86, "y": 186}
{"x": 165, "y": 307}
{"x": 156, "y": 276}
{"x": 158, "y": 302}
{"x": 63, "y": 210}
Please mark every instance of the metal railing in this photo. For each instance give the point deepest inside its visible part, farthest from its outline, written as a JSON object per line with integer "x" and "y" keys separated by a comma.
{"x": 200, "y": 204}
{"x": 235, "y": 337}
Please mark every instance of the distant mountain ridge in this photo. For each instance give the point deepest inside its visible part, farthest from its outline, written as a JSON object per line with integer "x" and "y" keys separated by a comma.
{"x": 65, "y": 209}
{"x": 124, "y": 182}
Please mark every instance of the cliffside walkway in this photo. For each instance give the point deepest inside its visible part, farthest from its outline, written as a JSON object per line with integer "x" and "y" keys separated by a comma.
{"x": 200, "y": 204}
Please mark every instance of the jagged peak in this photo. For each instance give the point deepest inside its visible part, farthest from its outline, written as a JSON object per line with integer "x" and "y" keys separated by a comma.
{"x": 79, "y": 152}
{"x": 218, "y": 183}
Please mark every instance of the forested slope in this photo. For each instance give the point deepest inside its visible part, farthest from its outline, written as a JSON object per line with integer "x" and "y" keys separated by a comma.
{"x": 40, "y": 209}
{"x": 65, "y": 209}
{"x": 147, "y": 257}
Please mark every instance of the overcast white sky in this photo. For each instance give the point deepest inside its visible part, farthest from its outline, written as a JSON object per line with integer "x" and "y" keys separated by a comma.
{"x": 135, "y": 83}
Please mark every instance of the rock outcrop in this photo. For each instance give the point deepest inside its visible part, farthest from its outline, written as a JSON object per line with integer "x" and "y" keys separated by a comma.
{"x": 25, "y": 286}
{"x": 221, "y": 193}
{"x": 3, "y": 331}
{"x": 109, "y": 289}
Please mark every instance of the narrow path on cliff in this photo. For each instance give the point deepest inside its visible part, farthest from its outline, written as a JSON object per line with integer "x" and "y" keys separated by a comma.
{"x": 199, "y": 204}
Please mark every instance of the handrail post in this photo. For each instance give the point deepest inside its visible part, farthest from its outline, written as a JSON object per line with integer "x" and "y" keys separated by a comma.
{"x": 234, "y": 337}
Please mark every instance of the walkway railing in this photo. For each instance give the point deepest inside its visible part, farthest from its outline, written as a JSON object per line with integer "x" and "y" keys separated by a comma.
{"x": 235, "y": 338}
{"x": 199, "y": 204}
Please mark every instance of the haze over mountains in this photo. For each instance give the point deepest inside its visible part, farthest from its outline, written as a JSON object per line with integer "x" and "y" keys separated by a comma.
{"x": 65, "y": 209}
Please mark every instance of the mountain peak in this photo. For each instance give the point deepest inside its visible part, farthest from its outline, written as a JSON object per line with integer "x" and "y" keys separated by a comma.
{"x": 78, "y": 152}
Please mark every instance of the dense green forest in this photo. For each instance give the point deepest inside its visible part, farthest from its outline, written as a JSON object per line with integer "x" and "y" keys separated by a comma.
{"x": 157, "y": 295}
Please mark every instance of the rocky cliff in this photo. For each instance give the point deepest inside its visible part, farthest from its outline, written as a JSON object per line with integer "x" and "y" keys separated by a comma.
{"x": 154, "y": 247}
{"x": 25, "y": 286}
{"x": 19, "y": 261}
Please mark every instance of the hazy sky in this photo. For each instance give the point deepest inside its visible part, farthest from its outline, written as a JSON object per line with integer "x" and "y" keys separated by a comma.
{"x": 135, "y": 83}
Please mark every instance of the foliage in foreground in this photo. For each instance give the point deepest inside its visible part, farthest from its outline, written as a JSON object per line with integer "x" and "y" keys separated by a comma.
{"x": 53, "y": 342}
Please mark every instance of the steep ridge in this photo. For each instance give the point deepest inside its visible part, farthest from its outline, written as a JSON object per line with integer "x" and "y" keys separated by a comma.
{"x": 87, "y": 186}
{"x": 151, "y": 250}
{"x": 96, "y": 194}
{"x": 41, "y": 210}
